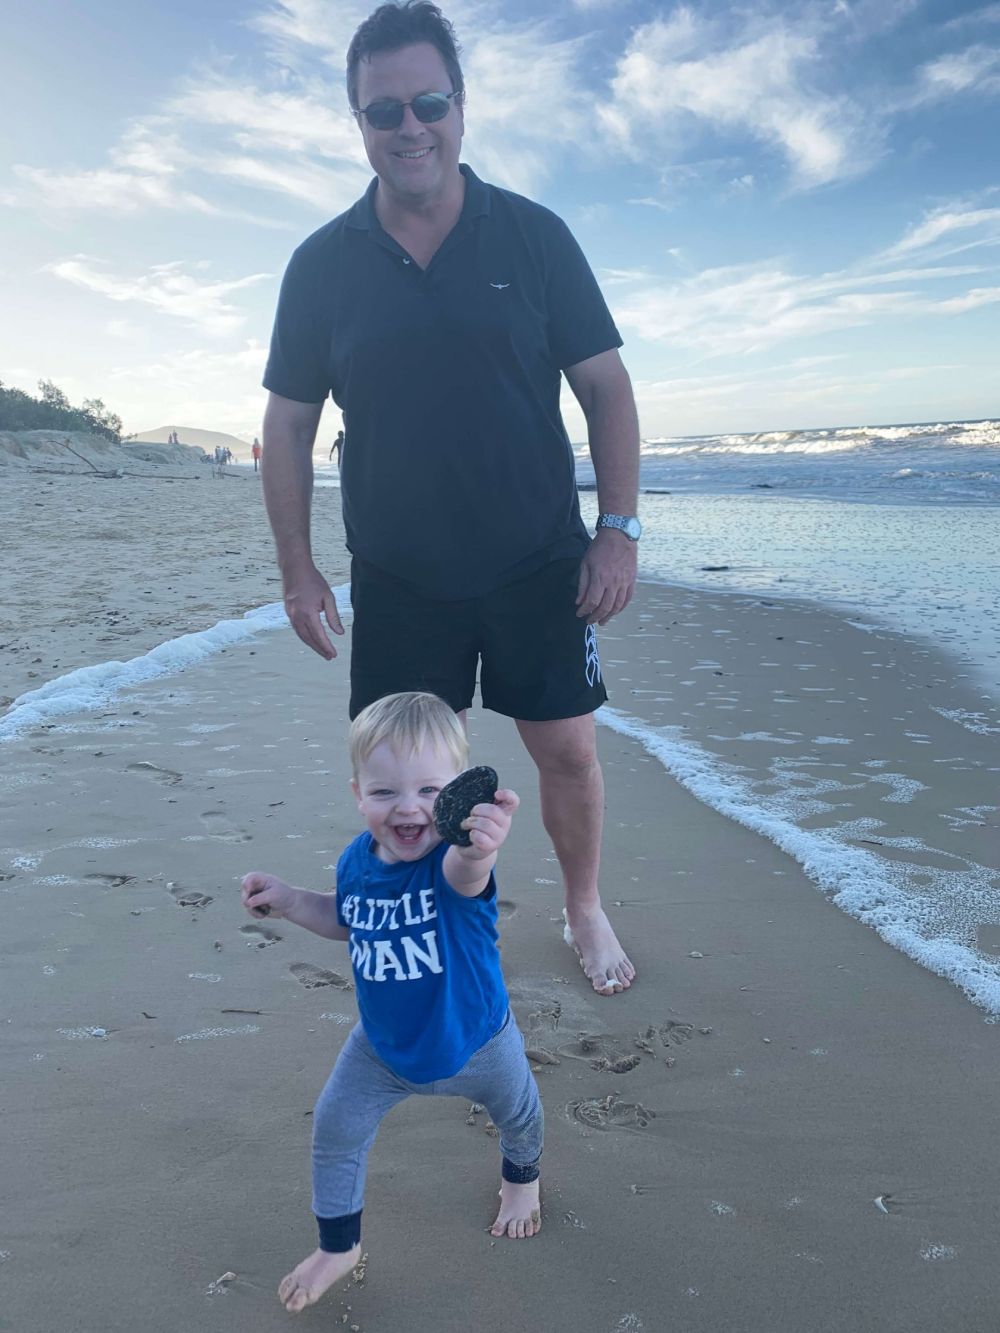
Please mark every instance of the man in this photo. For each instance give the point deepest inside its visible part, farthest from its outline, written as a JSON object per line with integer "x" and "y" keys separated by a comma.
{"x": 439, "y": 311}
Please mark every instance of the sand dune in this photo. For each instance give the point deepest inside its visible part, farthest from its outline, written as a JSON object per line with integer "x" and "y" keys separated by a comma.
{"x": 78, "y": 452}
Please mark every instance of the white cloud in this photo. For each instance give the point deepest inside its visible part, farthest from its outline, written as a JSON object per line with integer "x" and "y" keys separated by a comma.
{"x": 977, "y": 67}
{"x": 328, "y": 189}
{"x": 682, "y": 70}
{"x": 977, "y": 18}
{"x": 747, "y": 308}
{"x": 166, "y": 288}
{"x": 294, "y": 122}
{"x": 197, "y": 387}
{"x": 648, "y": 202}
{"x": 325, "y": 25}
{"x": 106, "y": 190}
{"x": 937, "y": 232}
{"x": 512, "y": 72}
{"x": 866, "y": 17}
{"x": 609, "y": 276}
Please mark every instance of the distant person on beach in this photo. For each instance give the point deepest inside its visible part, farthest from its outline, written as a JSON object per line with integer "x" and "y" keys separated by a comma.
{"x": 421, "y": 920}
{"x": 255, "y": 453}
{"x": 337, "y": 447}
{"x": 459, "y": 490}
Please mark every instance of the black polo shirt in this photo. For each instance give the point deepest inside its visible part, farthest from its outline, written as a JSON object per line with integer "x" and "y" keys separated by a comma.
{"x": 457, "y": 472}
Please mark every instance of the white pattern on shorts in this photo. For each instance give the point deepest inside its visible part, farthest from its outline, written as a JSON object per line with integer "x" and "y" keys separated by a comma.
{"x": 593, "y": 661}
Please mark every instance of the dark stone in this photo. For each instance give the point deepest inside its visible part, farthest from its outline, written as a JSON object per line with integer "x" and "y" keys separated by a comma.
{"x": 714, "y": 569}
{"x": 476, "y": 786}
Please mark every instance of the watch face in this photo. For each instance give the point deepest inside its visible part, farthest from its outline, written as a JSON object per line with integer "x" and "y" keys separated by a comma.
{"x": 633, "y": 529}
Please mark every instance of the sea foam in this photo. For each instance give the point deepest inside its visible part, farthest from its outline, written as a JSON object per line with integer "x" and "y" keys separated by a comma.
{"x": 857, "y": 881}
{"x": 94, "y": 687}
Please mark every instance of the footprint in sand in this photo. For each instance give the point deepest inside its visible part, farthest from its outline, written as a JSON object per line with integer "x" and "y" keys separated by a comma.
{"x": 506, "y": 908}
{"x": 545, "y": 1016}
{"x": 110, "y": 881}
{"x": 312, "y": 976}
{"x": 603, "y": 1053}
{"x": 259, "y": 937}
{"x": 166, "y": 775}
{"x": 610, "y": 1112}
{"x": 666, "y": 1034}
{"x": 188, "y": 897}
{"x": 218, "y": 825}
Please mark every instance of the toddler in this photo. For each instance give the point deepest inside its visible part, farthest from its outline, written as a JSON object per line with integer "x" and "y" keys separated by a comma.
{"x": 420, "y": 918}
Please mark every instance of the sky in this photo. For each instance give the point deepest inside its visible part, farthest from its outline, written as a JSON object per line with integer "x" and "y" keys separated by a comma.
{"x": 793, "y": 208}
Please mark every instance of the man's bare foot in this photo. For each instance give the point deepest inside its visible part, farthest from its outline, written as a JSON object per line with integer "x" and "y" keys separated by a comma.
{"x": 520, "y": 1215}
{"x": 306, "y": 1284}
{"x": 605, "y": 962}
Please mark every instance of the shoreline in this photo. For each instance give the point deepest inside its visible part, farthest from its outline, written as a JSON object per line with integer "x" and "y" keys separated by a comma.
{"x": 917, "y": 746}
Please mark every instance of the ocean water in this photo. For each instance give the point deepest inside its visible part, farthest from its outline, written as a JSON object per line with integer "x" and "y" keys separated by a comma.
{"x": 896, "y": 530}
{"x": 899, "y": 524}
{"x": 956, "y": 462}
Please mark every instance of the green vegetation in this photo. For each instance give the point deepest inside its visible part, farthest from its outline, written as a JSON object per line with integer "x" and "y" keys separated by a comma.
{"x": 52, "y": 411}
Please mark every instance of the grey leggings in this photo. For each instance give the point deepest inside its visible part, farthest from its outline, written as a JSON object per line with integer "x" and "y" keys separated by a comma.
{"x": 362, "y": 1089}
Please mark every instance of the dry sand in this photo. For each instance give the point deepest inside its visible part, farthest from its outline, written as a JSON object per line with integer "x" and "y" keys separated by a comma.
{"x": 717, "y": 1138}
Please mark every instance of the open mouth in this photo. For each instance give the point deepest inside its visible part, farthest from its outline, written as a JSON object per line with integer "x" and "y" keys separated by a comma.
{"x": 413, "y": 154}
{"x": 408, "y": 834}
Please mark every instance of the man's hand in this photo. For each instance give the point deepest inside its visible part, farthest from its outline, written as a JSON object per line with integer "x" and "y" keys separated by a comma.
{"x": 488, "y": 826}
{"x": 307, "y": 596}
{"x": 259, "y": 891}
{"x": 607, "y": 577}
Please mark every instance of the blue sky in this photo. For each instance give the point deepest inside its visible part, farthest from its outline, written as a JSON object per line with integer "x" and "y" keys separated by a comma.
{"x": 793, "y": 208}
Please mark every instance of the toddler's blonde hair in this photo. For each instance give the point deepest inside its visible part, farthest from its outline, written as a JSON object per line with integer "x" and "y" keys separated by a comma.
{"x": 407, "y": 722}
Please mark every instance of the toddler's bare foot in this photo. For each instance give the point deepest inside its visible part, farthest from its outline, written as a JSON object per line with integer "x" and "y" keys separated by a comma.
{"x": 602, "y": 958}
{"x": 519, "y": 1216}
{"x": 306, "y": 1284}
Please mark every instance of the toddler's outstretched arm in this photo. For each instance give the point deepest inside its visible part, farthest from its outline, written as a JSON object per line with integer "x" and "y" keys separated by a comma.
{"x": 313, "y": 911}
{"x": 467, "y": 869}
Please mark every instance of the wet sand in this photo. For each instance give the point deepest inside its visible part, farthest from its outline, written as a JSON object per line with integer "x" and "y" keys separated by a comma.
{"x": 785, "y": 1125}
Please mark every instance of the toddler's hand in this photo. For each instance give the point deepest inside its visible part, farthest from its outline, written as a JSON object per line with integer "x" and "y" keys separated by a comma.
{"x": 259, "y": 891}
{"x": 488, "y": 825}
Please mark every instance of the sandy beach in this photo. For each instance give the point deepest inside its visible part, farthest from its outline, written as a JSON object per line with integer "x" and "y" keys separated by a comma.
{"x": 786, "y": 1125}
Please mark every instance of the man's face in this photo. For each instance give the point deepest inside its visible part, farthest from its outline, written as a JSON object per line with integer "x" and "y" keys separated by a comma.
{"x": 415, "y": 162}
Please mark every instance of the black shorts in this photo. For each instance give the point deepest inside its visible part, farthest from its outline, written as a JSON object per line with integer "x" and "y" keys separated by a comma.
{"x": 536, "y": 659}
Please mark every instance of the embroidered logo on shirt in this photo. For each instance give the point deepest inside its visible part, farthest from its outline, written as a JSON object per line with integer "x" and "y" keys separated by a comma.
{"x": 592, "y": 666}
{"x": 499, "y": 285}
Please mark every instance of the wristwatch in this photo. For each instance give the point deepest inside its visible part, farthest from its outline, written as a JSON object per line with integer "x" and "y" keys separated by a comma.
{"x": 628, "y": 524}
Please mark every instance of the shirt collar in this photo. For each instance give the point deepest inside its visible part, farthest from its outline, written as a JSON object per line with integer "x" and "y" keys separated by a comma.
{"x": 476, "y": 204}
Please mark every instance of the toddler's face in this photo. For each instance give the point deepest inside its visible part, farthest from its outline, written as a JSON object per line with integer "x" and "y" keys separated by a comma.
{"x": 396, "y": 796}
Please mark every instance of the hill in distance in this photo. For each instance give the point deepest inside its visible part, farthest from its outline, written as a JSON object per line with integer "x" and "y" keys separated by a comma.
{"x": 207, "y": 439}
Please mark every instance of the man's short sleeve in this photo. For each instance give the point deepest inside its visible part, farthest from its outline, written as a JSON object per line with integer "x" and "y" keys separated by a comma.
{"x": 580, "y": 323}
{"x": 297, "y": 363}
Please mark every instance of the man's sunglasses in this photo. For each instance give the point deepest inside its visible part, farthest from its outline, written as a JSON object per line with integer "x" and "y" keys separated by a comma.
{"x": 427, "y": 108}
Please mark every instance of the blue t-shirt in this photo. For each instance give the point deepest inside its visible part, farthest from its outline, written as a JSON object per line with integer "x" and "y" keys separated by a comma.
{"x": 425, "y": 958}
